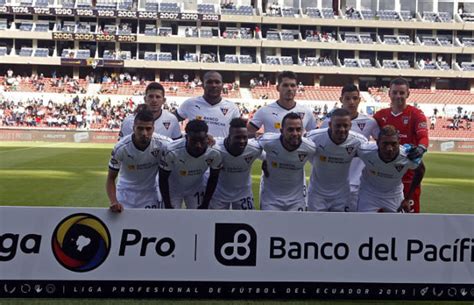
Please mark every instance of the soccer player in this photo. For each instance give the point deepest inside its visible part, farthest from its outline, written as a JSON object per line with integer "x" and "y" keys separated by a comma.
{"x": 234, "y": 188}
{"x": 336, "y": 146}
{"x": 381, "y": 188}
{"x": 412, "y": 126}
{"x": 136, "y": 157}
{"x": 211, "y": 107}
{"x": 166, "y": 123}
{"x": 270, "y": 116}
{"x": 282, "y": 187}
{"x": 361, "y": 123}
{"x": 183, "y": 167}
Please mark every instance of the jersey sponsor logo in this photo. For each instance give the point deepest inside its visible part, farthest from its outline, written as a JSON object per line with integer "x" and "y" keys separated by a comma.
{"x": 399, "y": 167}
{"x": 155, "y": 153}
{"x": 277, "y": 125}
{"x": 224, "y": 110}
{"x": 209, "y": 161}
{"x": 248, "y": 159}
{"x": 405, "y": 120}
{"x": 361, "y": 126}
{"x": 422, "y": 125}
{"x": 301, "y": 114}
{"x": 167, "y": 125}
{"x": 323, "y": 158}
{"x": 131, "y": 167}
{"x": 349, "y": 149}
{"x": 183, "y": 173}
{"x": 302, "y": 156}
{"x": 199, "y": 117}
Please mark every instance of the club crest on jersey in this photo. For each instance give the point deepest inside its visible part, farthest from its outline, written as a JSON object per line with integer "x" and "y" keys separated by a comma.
{"x": 301, "y": 114}
{"x": 349, "y": 149}
{"x": 361, "y": 126}
{"x": 248, "y": 159}
{"x": 224, "y": 110}
{"x": 167, "y": 125}
{"x": 405, "y": 120}
{"x": 302, "y": 156}
{"x": 209, "y": 161}
{"x": 155, "y": 153}
{"x": 399, "y": 167}
{"x": 277, "y": 125}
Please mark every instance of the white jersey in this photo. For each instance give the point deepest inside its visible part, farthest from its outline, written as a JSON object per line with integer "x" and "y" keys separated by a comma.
{"x": 380, "y": 178}
{"x": 330, "y": 174}
{"x": 367, "y": 127}
{"x": 285, "y": 184}
{"x": 187, "y": 171}
{"x": 270, "y": 117}
{"x": 166, "y": 124}
{"x": 235, "y": 176}
{"x": 137, "y": 169}
{"x": 216, "y": 116}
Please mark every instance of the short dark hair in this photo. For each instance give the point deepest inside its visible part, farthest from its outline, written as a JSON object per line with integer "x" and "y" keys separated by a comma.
{"x": 196, "y": 126}
{"x": 238, "y": 123}
{"x": 286, "y": 74}
{"x": 399, "y": 81}
{"x": 155, "y": 86}
{"x": 388, "y": 130}
{"x": 349, "y": 88}
{"x": 144, "y": 115}
{"x": 208, "y": 73}
{"x": 290, "y": 116}
{"x": 340, "y": 112}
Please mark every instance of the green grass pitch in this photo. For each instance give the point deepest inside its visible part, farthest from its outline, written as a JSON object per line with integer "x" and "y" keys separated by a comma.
{"x": 58, "y": 174}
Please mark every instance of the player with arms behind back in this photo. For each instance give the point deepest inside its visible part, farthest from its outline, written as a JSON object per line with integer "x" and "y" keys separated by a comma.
{"x": 412, "y": 127}
{"x": 136, "y": 157}
{"x": 361, "y": 123}
{"x": 234, "y": 188}
{"x": 386, "y": 162}
{"x": 183, "y": 166}
{"x": 283, "y": 185}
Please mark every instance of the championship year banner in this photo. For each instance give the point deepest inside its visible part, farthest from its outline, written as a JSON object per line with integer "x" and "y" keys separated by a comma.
{"x": 75, "y": 252}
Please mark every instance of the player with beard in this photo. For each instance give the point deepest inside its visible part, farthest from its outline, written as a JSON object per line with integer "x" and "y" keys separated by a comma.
{"x": 282, "y": 186}
{"x": 136, "y": 158}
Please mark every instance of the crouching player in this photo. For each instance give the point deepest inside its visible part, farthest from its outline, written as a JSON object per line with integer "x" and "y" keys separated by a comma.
{"x": 234, "y": 188}
{"x": 136, "y": 158}
{"x": 381, "y": 188}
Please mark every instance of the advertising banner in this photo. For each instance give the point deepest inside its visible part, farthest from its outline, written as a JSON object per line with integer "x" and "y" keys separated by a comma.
{"x": 152, "y": 253}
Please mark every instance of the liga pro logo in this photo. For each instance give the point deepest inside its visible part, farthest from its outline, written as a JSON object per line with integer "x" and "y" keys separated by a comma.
{"x": 81, "y": 242}
{"x": 235, "y": 244}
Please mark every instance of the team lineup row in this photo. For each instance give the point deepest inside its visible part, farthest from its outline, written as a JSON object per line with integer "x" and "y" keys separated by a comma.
{"x": 348, "y": 173}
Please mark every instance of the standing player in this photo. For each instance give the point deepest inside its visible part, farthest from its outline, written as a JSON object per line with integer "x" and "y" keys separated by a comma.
{"x": 270, "y": 116}
{"x": 211, "y": 107}
{"x": 234, "y": 188}
{"x": 165, "y": 123}
{"x": 282, "y": 187}
{"x": 361, "y": 123}
{"x": 136, "y": 157}
{"x": 381, "y": 188}
{"x": 336, "y": 146}
{"x": 412, "y": 126}
{"x": 183, "y": 166}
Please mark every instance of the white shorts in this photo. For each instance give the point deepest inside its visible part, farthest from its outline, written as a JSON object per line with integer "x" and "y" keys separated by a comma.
{"x": 295, "y": 206}
{"x": 244, "y": 203}
{"x": 320, "y": 203}
{"x": 370, "y": 203}
{"x": 192, "y": 197}
{"x": 139, "y": 200}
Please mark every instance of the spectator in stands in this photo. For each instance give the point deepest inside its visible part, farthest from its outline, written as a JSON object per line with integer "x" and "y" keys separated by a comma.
{"x": 432, "y": 122}
{"x": 435, "y": 111}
